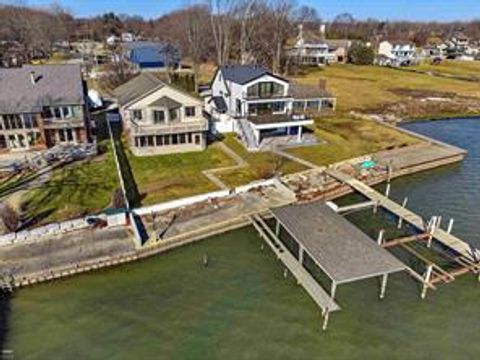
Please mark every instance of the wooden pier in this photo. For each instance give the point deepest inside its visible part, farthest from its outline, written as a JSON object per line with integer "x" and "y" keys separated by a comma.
{"x": 445, "y": 238}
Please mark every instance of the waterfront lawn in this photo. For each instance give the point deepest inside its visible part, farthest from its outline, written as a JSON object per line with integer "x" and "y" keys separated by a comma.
{"x": 169, "y": 177}
{"x": 261, "y": 164}
{"x": 74, "y": 190}
{"x": 369, "y": 87}
{"x": 452, "y": 67}
{"x": 347, "y": 138}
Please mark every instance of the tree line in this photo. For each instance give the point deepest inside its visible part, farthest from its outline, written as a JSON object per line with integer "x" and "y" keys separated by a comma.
{"x": 218, "y": 30}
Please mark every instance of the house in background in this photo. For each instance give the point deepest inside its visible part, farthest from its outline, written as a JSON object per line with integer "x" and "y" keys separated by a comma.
{"x": 160, "y": 118}
{"x": 42, "y": 106}
{"x": 151, "y": 56}
{"x": 263, "y": 108}
{"x": 312, "y": 49}
{"x": 396, "y": 54}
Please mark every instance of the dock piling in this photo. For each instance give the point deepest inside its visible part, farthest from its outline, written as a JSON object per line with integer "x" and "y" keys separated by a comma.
{"x": 400, "y": 219}
{"x": 426, "y": 280}
{"x": 383, "y": 287}
{"x": 380, "y": 238}
{"x": 450, "y": 226}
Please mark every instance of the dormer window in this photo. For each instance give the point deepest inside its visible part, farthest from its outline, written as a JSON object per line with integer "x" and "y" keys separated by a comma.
{"x": 137, "y": 114}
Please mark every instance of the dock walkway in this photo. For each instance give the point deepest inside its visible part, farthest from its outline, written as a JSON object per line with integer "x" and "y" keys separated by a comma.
{"x": 311, "y": 286}
{"x": 448, "y": 240}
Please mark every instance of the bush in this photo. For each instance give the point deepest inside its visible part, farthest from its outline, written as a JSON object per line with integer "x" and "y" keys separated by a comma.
{"x": 360, "y": 54}
{"x": 9, "y": 218}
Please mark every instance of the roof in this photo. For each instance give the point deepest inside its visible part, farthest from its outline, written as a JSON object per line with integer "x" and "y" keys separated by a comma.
{"x": 137, "y": 87}
{"x": 338, "y": 43}
{"x": 301, "y": 91}
{"x": 166, "y": 102}
{"x": 243, "y": 74}
{"x": 343, "y": 251}
{"x": 151, "y": 52}
{"x": 55, "y": 85}
{"x": 220, "y": 103}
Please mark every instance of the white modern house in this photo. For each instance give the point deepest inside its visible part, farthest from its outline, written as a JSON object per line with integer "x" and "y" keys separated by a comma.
{"x": 263, "y": 108}
{"x": 396, "y": 54}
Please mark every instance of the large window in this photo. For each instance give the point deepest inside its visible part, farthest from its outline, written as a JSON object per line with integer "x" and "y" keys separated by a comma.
{"x": 173, "y": 114}
{"x": 265, "y": 89}
{"x": 158, "y": 117}
{"x": 266, "y": 108}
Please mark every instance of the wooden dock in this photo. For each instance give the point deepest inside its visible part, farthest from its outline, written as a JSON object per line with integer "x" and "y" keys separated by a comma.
{"x": 303, "y": 277}
{"x": 450, "y": 241}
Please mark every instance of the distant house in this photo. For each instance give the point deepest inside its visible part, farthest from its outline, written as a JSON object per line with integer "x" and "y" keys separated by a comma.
{"x": 112, "y": 40}
{"x": 42, "y": 106}
{"x": 148, "y": 56}
{"x": 127, "y": 37}
{"x": 314, "y": 50}
{"x": 263, "y": 108}
{"x": 159, "y": 118}
{"x": 396, "y": 54}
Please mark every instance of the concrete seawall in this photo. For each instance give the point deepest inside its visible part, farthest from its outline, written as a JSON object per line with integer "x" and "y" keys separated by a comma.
{"x": 196, "y": 234}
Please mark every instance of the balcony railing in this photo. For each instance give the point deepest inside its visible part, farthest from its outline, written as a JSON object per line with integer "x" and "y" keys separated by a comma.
{"x": 177, "y": 128}
{"x": 61, "y": 123}
{"x": 247, "y": 96}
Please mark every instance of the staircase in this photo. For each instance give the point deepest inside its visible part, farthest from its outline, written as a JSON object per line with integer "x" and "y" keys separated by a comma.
{"x": 246, "y": 134}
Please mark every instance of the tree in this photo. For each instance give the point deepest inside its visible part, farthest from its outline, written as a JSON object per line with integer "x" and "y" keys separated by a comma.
{"x": 198, "y": 38}
{"x": 360, "y": 54}
{"x": 221, "y": 23}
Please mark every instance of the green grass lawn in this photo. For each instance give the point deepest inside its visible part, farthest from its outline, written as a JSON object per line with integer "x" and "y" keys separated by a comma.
{"x": 168, "y": 177}
{"x": 347, "y": 138}
{"x": 75, "y": 190}
{"x": 261, "y": 165}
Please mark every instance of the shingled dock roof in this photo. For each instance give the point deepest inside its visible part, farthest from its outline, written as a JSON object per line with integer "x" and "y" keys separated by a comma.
{"x": 54, "y": 85}
{"x": 342, "y": 250}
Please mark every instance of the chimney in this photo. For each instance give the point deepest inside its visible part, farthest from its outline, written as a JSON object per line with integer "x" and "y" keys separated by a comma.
{"x": 33, "y": 80}
{"x": 322, "y": 31}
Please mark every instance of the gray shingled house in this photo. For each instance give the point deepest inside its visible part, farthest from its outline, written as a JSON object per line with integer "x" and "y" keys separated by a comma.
{"x": 42, "y": 106}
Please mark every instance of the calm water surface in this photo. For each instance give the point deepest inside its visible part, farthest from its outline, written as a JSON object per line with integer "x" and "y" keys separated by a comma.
{"x": 241, "y": 307}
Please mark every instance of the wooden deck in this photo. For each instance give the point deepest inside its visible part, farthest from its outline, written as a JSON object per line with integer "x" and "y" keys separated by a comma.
{"x": 443, "y": 237}
{"x": 311, "y": 286}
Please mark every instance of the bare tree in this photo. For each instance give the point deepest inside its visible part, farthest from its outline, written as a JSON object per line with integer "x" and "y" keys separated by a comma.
{"x": 281, "y": 13}
{"x": 198, "y": 38}
{"x": 221, "y": 22}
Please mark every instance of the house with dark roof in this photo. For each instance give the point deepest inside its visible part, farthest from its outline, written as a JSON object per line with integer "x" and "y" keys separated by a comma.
{"x": 263, "y": 108}
{"x": 42, "y": 106}
{"x": 159, "y": 118}
{"x": 148, "y": 55}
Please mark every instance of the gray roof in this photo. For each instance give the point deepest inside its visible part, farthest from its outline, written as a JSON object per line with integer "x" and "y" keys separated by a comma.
{"x": 243, "y": 74}
{"x": 138, "y": 87}
{"x": 343, "y": 251}
{"x": 166, "y": 102}
{"x": 55, "y": 85}
{"x": 220, "y": 103}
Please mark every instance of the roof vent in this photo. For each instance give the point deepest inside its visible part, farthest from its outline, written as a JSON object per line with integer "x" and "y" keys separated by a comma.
{"x": 33, "y": 79}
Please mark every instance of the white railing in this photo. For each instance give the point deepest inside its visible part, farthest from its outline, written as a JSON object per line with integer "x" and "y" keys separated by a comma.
{"x": 247, "y": 135}
{"x": 169, "y": 128}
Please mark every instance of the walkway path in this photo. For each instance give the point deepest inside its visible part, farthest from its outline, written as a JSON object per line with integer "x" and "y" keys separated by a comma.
{"x": 211, "y": 173}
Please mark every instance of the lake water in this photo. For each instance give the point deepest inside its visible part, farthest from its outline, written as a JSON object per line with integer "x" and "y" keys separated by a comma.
{"x": 241, "y": 307}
